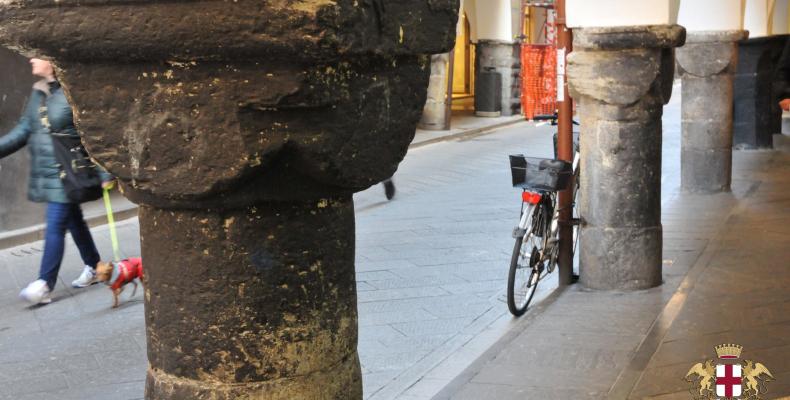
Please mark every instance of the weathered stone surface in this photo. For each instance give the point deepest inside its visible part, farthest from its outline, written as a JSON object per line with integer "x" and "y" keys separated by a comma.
{"x": 707, "y": 65}
{"x": 593, "y": 76}
{"x": 629, "y": 37}
{"x": 243, "y": 128}
{"x": 305, "y": 30}
{"x": 189, "y": 133}
{"x": 620, "y": 76}
{"x": 269, "y": 296}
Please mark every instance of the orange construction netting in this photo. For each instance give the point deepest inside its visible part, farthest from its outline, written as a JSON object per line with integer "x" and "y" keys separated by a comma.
{"x": 538, "y": 80}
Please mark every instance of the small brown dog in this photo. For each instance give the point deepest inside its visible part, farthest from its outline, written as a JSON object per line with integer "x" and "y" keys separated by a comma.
{"x": 118, "y": 274}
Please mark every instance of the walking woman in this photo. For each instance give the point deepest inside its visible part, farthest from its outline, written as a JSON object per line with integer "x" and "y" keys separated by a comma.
{"x": 48, "y": 111}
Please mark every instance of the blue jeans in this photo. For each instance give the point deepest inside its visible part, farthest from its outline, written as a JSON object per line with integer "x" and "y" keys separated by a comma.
{"x": 60, "y": 217}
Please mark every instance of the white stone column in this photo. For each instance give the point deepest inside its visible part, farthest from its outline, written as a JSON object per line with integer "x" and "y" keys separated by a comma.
{"x": 434, "y": 114}
{"x": 756, "y": 16}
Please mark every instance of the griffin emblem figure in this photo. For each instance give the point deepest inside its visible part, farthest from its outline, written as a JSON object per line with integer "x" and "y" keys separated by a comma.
{"x": 753, "y": 386}
{"x": 705, "y": 374}
{"x": 728, "y": 379}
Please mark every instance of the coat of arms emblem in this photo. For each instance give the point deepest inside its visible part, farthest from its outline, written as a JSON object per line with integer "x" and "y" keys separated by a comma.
{"x": 729, "y": 378}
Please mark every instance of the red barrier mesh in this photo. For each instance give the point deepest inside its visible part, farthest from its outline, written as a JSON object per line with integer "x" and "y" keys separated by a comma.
{"x": 538, "y": 80}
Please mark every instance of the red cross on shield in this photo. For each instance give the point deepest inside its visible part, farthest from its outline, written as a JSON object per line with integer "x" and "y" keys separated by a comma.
{"x": 728, "y": 380}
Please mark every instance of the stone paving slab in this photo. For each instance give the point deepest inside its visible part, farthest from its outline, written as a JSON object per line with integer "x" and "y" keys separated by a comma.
{"x": 742, "y": 297}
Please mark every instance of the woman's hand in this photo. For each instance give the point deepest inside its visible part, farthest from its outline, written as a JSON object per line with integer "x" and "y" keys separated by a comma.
{"x": 108, "y": 184}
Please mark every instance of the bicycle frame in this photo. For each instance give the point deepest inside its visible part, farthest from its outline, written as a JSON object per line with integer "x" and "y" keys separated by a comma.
{"x": 536, "y": 251}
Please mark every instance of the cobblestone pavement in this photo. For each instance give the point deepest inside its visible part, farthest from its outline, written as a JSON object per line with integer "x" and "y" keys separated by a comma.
{"x": 431, "y": 271}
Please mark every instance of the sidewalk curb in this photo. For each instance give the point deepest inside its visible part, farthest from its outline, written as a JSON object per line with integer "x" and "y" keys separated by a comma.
{"x": 452, "y": 388}
{"x": 35, "y": 233}
{"x": 467, "y": 133}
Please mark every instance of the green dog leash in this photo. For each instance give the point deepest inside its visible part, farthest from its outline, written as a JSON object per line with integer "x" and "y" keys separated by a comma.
{"x": 111, "y": 221}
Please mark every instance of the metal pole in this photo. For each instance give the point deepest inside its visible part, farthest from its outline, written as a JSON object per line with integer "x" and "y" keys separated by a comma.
{"x": 523, "y": 20}
{"x": 564, "y": 145}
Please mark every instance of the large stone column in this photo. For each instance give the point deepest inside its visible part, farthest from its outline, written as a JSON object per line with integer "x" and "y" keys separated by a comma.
{"x": 621, "y": 78}
{"x": 243, "y": 129}
{"x": 707, "y": 68}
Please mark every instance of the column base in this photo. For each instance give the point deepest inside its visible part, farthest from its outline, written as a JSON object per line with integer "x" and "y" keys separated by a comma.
{"x": 339, "y": 383}
{"x": 705, "y": 171}
{"x": 621, "y": 258}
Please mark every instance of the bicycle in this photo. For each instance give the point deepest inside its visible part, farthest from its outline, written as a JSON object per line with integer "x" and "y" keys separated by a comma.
{"x": 537, "y": 234}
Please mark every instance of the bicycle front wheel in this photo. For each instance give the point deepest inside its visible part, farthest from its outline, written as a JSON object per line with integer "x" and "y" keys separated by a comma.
{"x": 524, "y": 273}
{"x": 522, "y": 279}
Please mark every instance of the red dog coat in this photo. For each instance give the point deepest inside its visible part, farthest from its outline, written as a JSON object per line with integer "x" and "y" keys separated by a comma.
{"x": 126, "y": 271}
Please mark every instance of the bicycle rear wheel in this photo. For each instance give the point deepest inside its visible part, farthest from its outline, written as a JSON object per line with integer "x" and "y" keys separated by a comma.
{"x": 525, "y": 266}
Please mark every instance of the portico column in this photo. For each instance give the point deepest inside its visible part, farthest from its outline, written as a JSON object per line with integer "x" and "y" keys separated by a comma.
{"x": 621, "y": 78}
{"x": 707, "y": 67}
{"x": 495, "y": 50}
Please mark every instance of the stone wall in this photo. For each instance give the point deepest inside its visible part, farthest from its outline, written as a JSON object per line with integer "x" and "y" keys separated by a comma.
{"x": 15, "y": 210}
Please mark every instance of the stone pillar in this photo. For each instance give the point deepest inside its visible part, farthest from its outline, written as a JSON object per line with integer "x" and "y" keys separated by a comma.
{"x": 243, "y": 138}
{"x": 505, "y": 58}
{"x": 707, "y": 67}
{"x": 621, "y": 78}
{"x": 757, "y": 116}
{"x": 434, "y": 115}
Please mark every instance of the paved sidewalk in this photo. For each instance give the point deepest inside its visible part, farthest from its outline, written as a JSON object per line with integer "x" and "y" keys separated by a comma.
{"x": 726, "y": 272}
{"x": 431, "y": 268}
{"x": 737, "y": 292}
{"x": 463, "y": 124}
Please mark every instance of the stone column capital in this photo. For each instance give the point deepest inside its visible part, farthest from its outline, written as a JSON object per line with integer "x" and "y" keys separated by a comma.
{"x": 618, "y": 65}
{"x": 695, "y": 37}
{"x": 709, "y": 53}
{"x": 612, "y": 77}
{"x": 122, "y": 31}
{"x": 227, "y": 104}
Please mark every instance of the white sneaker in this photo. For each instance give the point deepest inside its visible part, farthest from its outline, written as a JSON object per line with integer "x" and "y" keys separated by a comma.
{"x": 37, "y": 292}
{"x": 87, "y": 278}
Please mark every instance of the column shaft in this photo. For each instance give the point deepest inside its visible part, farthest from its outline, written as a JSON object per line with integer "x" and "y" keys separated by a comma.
{"x": 621, "y": 76}
{"x": 252, "y": 303}
{"x": 707, "y": 67}
{"x": 505, "y": 58}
